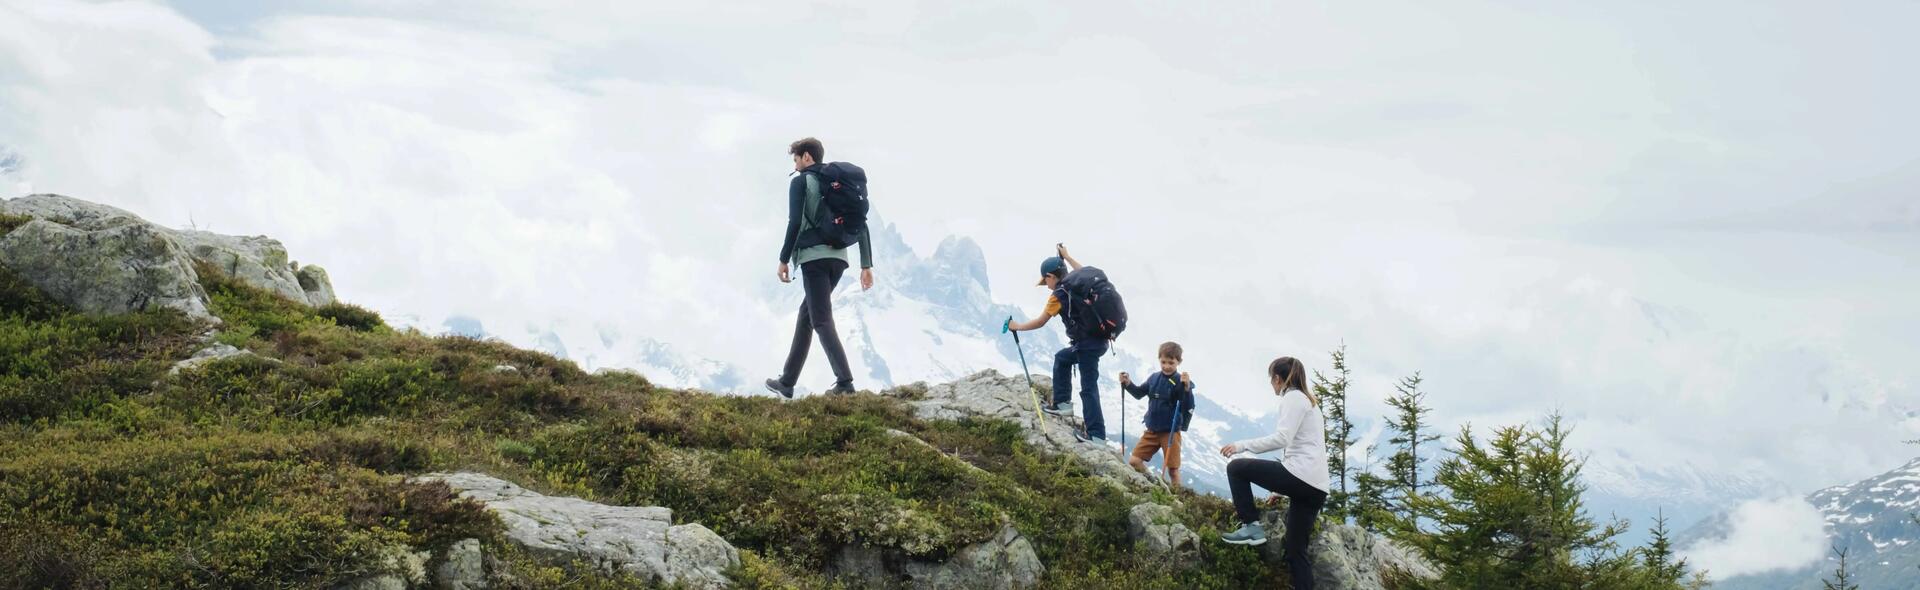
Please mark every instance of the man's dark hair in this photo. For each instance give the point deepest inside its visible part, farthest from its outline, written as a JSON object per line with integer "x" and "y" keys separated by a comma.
{"x": 809, "y": 146}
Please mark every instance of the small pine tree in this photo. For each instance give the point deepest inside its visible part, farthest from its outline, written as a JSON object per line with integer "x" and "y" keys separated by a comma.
{"x": 1658, "y": 556}
{"x": 1840, "y": 580}
{"x": 1369, "y": 503}
{"x": 1332, "y": 393}
{"x": 1507, "y": 513}
{"x": 1409, "y": 433}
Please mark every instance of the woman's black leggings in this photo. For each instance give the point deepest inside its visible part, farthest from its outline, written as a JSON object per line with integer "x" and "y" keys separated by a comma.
{"x": 1303, "y": 507}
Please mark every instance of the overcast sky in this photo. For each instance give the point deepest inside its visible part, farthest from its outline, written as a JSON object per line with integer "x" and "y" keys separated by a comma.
{"x": 1693, "y": 228}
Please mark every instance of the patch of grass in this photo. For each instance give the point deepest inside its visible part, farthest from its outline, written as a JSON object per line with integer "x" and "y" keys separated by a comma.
{"x": 349, "y": 316}
{"x": 55, "y": 362}
{"x": 9, "y": 222}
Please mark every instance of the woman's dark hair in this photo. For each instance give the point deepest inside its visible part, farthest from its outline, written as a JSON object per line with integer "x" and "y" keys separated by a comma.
{"x": 1292, "y": 375}
{"x": 809, "y": 146}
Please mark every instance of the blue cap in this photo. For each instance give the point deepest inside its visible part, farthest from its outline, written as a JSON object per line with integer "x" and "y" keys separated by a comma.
{"x": 1049, "y": 266}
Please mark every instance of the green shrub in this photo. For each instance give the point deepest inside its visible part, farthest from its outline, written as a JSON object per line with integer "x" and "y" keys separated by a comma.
{"x": 250, "y": 310}
{"x": 9, "y": 222}
{"x": 349, "y": 316}
{"x": 21, "y": 300}
{"x": 70, "y": 363}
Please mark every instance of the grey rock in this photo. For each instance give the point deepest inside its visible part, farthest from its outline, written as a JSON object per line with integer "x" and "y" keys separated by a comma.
{"x": 399, "y": 569}
{"x": 109, "y": 270}
{"x": 463, "y": 569}
{"x": 639, "y": 540}
{"x": 314, "y": 281}
{"x": 69, "y": 211}
{"x": 256, "y": 260}
{"x": 1003, "y": 562}
{"x": 1346, "y": 557}
{"x": 207, "y": 355}
{"x": 1157, "y": 528}
{"x": 989, "y": 394}
{"x": 102, "y": 259}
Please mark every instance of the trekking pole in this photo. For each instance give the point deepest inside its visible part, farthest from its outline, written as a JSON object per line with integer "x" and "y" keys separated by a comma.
{"x": 1032, "y": 392}
{"x": 1123, "y": 422}
{"x": 1173, "y": 439}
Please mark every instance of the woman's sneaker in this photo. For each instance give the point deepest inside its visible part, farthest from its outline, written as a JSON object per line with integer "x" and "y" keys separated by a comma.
{"x": 1249, "y": 534}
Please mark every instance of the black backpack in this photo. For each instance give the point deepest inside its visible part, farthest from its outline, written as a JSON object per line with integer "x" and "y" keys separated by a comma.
{"x": 1093, "y": 309}
{"x": 843, "y": 189}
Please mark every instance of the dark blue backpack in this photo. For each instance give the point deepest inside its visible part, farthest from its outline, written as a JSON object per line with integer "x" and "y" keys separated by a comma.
{"x": 1092, "y": 307}
{"x": 843, "y": 189}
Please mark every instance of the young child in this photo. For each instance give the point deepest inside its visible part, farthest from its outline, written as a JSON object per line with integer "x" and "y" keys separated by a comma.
{"x": 1168, "y": 412}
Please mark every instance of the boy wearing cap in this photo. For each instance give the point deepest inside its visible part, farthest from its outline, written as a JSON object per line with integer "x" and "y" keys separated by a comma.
{"x": 1083, "y": 353}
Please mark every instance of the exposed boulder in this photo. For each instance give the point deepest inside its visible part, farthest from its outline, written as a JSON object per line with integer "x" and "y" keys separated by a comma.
{"x": 1004, "y": 562}
{"x": 463, "y": 569}
{"x": 639, "y": 540}
{"x": 1157, "y": 528}
{"x": 1346, "y": 557}
{"x": 257, "y": 260}
{"x": 989, "y": 394}
{"x": 204, "y": 356}
{"x": 102, "y": 259}
{"x": 400, "y": 569}
{"x": 109, "y": 269}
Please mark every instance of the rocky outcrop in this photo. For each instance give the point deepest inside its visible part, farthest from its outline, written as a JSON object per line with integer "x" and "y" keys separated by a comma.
{"x": 463, "y": 569}
{"x": 102, "y": 259}
{"x": 1004, "y": 562}
{"x": 989, "y": 394}
{"x": 1346, "y": 557}
{"x": 213, "y": 352}
{"x": 111, "y": 270}
{"x": 400, "y": 569}
{"x": 642, "y": 541}
{"x": 259, "y": 261}
{"x": 1157, "y": 529}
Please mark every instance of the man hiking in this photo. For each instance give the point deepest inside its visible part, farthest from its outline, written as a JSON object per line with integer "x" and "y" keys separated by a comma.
{"x": 1084, "y": 349}
{"x": 821, "y": 264}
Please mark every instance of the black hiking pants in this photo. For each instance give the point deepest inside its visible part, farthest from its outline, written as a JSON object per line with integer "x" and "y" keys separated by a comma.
{"x": 1303, "y": 508}
{"x": 818, "y": 278}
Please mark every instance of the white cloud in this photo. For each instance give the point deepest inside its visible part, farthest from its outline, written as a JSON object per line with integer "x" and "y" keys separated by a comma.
{"x": 1765, "y": 535}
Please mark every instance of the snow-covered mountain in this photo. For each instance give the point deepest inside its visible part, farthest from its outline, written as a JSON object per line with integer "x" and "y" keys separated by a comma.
{"x": 1620, "y": 486}
{"x": 1872, "y": 519}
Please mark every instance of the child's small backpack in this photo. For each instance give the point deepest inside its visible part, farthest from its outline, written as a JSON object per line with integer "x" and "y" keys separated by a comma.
{"x": 1093, "y": 308}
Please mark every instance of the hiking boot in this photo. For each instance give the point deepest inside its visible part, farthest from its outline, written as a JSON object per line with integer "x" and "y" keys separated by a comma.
{"x": 785, "y": 391}
{"x": 1249, "y": 534}
{"x": 1059, "y": 409}
{"x": 846, "y": 389}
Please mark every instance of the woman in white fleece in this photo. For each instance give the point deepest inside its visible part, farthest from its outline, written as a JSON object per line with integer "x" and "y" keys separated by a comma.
{"x": 1300, "y": 474}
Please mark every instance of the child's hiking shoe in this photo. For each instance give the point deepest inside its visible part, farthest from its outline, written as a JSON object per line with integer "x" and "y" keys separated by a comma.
{"x": 1249, "y": 534}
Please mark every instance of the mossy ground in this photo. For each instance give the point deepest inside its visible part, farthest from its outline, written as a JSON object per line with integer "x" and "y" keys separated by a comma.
{"x": 289, "y": 469}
